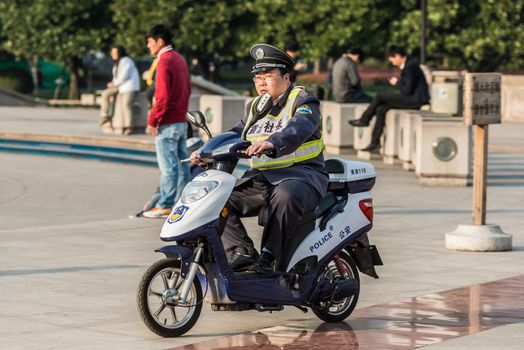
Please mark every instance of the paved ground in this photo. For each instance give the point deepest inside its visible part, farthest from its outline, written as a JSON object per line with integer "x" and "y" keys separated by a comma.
{"x": 71, "y": 259}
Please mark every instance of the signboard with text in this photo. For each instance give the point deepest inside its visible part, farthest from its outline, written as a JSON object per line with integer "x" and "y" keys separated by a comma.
{"x": 482, "y": 99}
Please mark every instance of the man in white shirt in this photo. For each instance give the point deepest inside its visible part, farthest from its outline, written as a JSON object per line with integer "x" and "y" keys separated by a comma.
{"x": 126, "y": 82}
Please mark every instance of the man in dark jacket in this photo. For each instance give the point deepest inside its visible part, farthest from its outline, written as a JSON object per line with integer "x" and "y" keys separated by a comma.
{"x": 347, "y": 85}
{"x": 414, "y": 94}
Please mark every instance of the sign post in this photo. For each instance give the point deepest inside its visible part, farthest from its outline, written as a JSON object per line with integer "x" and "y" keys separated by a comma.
{"x": 480, "y": 166}
{"x": 482, "y": 102}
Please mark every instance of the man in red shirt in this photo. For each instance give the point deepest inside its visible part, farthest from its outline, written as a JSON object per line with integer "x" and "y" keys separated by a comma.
{"x": 167, "y": 118}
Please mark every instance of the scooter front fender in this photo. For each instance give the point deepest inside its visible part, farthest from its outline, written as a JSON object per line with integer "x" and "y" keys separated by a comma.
{"x": 177, "y": 252}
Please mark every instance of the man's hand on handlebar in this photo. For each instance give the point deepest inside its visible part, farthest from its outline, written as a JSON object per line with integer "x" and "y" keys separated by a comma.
{"x": 195, "y": 159}
{"x": 258, "y": 148}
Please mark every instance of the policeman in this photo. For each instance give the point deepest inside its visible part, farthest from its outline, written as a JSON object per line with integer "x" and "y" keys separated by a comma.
{"x": 290, "y": 180}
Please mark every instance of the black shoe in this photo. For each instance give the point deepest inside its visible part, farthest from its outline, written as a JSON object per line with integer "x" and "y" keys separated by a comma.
{"x": 358, "y": 122}
{"x": 373, "y": 147}
{"x": 242, "y": 262}
{"x": 264, "y": 263}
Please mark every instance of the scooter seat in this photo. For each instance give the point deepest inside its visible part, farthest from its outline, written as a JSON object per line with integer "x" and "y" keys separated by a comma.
{"x": 327, "y": 202}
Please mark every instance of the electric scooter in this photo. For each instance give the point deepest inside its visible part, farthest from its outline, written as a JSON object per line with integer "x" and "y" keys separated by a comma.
{"x": 320, "y": 264}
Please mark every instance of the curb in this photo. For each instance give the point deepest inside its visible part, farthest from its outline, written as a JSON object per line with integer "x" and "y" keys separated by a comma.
{"x": 138, "y": 152}
{"x": 79, "y": 139}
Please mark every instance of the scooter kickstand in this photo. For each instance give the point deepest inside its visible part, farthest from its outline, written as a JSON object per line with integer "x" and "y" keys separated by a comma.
{"x": 301, "y": 308}
{"x": 270, "y": 308}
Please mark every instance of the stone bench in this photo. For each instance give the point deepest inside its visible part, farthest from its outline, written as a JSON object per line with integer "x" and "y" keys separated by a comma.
{"x": 221, "y": 112}
{"x": 406, "y": 119}
{"x": 394, "y": 138}
{"x": 338, "y": 135}
{"x": 442, "y": 150}
{"x": 391, "y": 137}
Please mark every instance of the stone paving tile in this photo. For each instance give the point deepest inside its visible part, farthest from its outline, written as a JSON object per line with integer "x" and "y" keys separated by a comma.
{"x": 70, "y": 260}
{"x": 403, "y": 324}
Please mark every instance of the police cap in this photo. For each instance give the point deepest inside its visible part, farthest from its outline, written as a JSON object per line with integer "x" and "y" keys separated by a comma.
{"x": 269, "y": 57}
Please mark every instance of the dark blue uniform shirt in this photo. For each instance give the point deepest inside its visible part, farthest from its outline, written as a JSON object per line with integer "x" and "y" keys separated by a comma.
{"x": 302, "y": 127}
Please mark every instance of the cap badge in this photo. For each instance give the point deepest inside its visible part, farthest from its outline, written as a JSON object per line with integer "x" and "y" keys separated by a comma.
{"x": 259, "y": 53}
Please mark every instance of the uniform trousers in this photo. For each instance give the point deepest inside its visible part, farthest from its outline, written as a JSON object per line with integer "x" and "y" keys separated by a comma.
{"x": 383, "y": 102}
{"x": 287, "y": 202}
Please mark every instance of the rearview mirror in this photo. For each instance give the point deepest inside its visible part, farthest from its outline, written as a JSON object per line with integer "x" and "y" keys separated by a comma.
{"x": 197, "y": 119}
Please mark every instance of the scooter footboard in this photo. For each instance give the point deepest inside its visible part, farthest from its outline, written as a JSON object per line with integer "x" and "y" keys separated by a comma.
{"x": 276, "y": 288}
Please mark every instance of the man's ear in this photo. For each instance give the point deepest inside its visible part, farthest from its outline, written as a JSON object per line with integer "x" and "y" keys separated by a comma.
{"x": 287, "y": 77}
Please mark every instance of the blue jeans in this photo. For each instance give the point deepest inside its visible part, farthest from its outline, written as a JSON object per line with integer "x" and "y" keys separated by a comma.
{"x": 170, "y": 150}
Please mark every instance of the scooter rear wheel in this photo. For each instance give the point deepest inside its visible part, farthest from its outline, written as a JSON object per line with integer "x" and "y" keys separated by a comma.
{"x": 339, "y": 310}
{"x": 156, "y": 300}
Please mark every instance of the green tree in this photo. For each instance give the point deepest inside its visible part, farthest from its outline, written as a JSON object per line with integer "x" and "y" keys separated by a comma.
{"x": 206, "y": 30}
{"x": 324, "y": 28}
{"x": 58, "y": 30}
{"x": 480, "y": 35}
{"x": 220, "y": 30}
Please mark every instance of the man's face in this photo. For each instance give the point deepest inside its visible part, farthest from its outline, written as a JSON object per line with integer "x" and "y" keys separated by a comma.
{"x": 355, "y": 58}
{"x": 271, "y": 81}
{"x": 396, "y": 60}
{"x": 155, "y": 46}
{"x": 293, "y": 54}
{"x": 114, "y": 54}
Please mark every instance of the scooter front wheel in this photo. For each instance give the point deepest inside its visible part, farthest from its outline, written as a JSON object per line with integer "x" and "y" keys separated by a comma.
{"x": 339, "y": 310}
{"x": 158, "y": 302}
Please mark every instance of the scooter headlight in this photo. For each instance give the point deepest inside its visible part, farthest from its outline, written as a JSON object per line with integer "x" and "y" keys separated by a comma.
{"x": 195, "y": 191}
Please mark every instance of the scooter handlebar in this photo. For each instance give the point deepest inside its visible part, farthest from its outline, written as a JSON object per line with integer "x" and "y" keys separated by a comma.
{"x": 240, "y": 150}
{"x": 242, "y": 154}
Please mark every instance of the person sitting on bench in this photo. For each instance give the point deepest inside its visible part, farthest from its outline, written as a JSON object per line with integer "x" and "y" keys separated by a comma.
{"x": 126, "y": 82}
{"x": 414, "y": 93}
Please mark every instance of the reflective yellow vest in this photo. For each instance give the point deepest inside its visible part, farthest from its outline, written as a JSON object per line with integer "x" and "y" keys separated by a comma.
{"x": 270, "y": 124}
